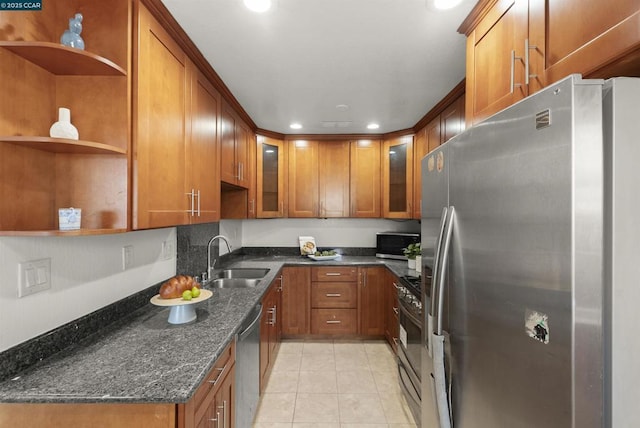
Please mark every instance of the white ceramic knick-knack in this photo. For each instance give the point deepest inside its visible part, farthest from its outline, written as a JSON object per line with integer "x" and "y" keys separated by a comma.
{"x": 63, "y": 127}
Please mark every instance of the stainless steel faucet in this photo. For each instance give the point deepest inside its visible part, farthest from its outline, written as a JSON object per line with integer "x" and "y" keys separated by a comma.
{"x": 210, "y": 267}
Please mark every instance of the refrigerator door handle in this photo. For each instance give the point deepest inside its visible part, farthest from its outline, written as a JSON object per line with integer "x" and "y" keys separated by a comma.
{"x": 440, "y": 381}
{"x": 436, "y": 259}
{"x": 434, "y": 281}
{"x": 437, "y": 316}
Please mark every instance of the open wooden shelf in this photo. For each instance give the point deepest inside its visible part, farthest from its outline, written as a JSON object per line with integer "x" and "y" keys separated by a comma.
{"x": 64, "y": 145}
{"x": 81, "y": 232}
{"x": 62, "y": 60}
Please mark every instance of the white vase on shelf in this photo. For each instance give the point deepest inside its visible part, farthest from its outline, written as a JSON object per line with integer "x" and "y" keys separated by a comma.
{"x": 418, "y": 263}
{"x": 63, "y": 127}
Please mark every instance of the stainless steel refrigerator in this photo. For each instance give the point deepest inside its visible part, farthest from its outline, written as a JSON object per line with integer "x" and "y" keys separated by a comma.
{"x": 531, "y": 224}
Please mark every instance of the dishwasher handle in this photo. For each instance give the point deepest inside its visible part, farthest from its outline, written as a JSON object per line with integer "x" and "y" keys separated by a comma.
{"x": 247, "y": 331}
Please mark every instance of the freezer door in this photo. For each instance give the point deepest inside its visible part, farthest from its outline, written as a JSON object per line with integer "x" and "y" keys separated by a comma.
{"x": 525, "y": 262}
{"x": 435, "y": 200}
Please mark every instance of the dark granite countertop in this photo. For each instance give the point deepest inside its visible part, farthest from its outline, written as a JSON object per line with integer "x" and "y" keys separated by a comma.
{"x": 145, "y": 359}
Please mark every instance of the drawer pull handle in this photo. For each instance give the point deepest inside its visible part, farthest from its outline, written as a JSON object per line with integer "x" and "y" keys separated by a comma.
{"x": 395, "y": 310}
{"x": 333, "y": 294}
{"x": 333, "y": 322}
{"x": 333, "y": 274}
{"x": 221, "y": 370}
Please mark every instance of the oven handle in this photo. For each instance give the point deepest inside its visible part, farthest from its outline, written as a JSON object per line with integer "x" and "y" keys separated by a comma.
{"x": 409, "y": 315}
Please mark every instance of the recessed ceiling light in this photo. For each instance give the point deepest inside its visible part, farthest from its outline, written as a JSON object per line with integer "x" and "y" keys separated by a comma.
{"x": 258, "y": 5}
{"x": 373, "y": 126}
{"x": 342, "y": 107}
{"x": 446, "y": 4}
{"x": 295, "y": 126}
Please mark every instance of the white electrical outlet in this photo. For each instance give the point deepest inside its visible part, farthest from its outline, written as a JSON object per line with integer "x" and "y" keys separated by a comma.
{"x": 34, "y": 276}
{"x": 167, "y": 250}
{"x": 127, "y": 257}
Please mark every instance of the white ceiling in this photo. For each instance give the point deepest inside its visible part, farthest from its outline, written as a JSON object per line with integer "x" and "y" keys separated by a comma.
{"x": 390, "y": 61}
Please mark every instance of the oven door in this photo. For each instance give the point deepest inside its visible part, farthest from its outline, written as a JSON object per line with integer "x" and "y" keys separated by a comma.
{"x": 410, "y": 343}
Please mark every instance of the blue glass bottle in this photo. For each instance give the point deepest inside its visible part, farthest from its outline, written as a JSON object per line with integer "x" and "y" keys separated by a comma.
{"x": 71, "y": 37}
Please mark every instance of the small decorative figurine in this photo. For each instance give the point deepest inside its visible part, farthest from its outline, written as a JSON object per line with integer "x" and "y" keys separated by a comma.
{"x": 71, "y": 37}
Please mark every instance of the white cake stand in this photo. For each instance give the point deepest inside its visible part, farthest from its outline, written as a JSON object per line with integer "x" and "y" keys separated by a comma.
{"x": 182, "y": 311}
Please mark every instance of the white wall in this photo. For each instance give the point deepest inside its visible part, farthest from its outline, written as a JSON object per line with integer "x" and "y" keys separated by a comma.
{"x": 86, "y": 275}
{"x": 337, "y": 232}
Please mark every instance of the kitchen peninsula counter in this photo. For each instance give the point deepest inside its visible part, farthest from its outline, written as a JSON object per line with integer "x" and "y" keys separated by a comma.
{"x": 144, "y": 359}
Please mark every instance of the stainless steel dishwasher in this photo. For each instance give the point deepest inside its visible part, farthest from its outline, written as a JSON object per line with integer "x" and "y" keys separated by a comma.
{"x": 248, "y": 369}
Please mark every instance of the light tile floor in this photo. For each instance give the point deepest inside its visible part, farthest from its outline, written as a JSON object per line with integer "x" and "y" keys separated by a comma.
{"x": 334, "y": 384}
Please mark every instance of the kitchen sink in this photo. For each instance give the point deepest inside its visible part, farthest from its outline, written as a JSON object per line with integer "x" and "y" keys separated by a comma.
{"x": 233, "y": 282}
{"x": 240, "y": 273}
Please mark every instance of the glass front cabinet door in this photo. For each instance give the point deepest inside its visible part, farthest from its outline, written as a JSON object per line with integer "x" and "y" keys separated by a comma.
{"x": 397, "y": 180}
{"x": 270, "y": 177}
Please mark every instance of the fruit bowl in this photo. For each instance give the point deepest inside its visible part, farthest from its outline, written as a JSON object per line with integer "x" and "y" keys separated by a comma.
{"x": 182, "y": 311}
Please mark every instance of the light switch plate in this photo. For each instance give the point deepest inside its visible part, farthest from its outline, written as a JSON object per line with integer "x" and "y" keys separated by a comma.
{"x": 127, "y": 257}
{"x": 34, "y": 276}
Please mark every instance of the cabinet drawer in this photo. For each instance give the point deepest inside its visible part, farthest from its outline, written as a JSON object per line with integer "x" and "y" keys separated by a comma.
{"x": 334, "y": 273}
{"x": 218, "y": 372}
{"x": 334, "y": 295}
{"x": 334, "y": 321}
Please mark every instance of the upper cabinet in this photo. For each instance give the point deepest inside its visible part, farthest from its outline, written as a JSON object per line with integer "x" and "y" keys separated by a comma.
{"x": 496, "y": 59}
{"x": 366, "y": 178}
{"x": 303, "y": 178}
{"x": 318, "y": 178}
{"x": 447, "y": 120}
{"x": 270, "y": 177}
{"x": 175, "y": 169}
{"x": 234, "y": 149}
{"x": 333, "y": 179}
{"x": 593, "y": 37}
{"x": 397, "y": 177}
{"x": 40, "y": 174}
{"x": 516, "y": 47}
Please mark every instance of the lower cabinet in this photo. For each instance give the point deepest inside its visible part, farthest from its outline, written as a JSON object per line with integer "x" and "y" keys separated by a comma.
{"x": 371, "y": 287}
{"x": 212, "y": 404}
{"x": 270, "y": 330}
{"x": 392, "y": 316}
{"x": 334, "y": 300}
{"x": 296, "y": 303}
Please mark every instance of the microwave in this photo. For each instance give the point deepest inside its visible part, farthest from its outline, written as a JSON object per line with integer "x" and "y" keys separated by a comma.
{"x": 389, "y": 245}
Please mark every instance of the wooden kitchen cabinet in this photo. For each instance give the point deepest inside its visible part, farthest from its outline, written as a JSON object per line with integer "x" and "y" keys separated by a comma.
{"x": 296, "y": 300}
{"x": 175, "y": 178}
{"x": 270, "y": 330}
{"x": 449, "y": 122}
{"x": 495, "y": 58}
{"x": 590, "y": 37}
{"x": 371, "y": 289}
{"x": 201, "y": 168}
{"x": 549, "y": 40}
{"x": 392, "y": 308}
{"x": 37, "y": 76}
{"x": 397, "y": 177}
{"x": 333, "y": 179}
{"x": 366, "y": 179}
{"x": 334, "y": 300}
{"x": 234, "y": 149}
{"x": 303, "y": 178}
{"x": 271, "y": 173}
{"x": 318, "y": 178}
{"x": 212, "y": 400}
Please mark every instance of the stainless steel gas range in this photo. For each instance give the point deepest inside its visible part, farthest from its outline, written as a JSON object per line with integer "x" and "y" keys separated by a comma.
{"x": 409, "y": 351}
